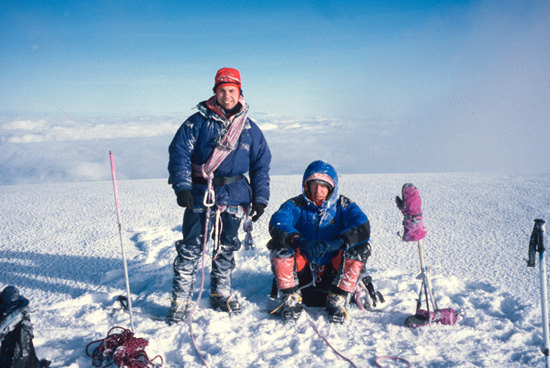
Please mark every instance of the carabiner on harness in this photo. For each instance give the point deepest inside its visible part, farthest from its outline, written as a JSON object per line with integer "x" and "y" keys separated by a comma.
{"x": 210, "y": 195}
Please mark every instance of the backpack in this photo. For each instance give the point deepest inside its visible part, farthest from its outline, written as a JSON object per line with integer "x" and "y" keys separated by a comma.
{"x": 17, "y": 349}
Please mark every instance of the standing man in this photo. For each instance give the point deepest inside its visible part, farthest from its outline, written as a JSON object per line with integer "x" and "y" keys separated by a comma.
{"x": 209, "y": 155}
{"x": 319, "y": 246}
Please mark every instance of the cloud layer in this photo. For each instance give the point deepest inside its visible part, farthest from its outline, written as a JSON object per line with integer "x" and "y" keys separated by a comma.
{"x": 48, "y": 149}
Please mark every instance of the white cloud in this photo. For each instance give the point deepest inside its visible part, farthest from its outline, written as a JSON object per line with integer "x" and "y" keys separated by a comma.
{"x": 62, "y": 130}
{"x": 76, "y": 149}
{"x": 24, "y": 125}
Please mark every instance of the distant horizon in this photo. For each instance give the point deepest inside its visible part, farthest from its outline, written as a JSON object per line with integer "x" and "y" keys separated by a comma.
{"x": 374, "y": 87}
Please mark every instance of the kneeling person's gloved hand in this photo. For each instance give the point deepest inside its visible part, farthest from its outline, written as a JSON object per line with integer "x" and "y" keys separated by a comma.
{"x": 333, "y": 245}
{"x": 311, "y": 248}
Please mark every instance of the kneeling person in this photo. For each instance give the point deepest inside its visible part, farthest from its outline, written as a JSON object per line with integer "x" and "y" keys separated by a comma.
{"x": 319, "y": 245}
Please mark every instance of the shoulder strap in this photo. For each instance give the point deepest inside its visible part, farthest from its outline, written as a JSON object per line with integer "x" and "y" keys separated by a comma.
{"x": 343, "y": 201}
{"x": 298, "y": 201}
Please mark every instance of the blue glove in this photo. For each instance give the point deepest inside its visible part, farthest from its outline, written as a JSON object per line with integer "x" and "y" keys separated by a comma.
{"x": 333, "y": 245}
{"x": 311, "y": 248}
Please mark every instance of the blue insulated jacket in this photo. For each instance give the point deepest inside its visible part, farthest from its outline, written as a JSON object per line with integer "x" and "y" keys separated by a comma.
{"x": 194, "y": 143}
{"x": 337, "y": 217}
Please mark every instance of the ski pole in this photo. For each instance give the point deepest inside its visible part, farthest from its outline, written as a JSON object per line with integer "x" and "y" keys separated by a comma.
{"x": 121, "y": 244}
{"x": 428, "y": 283}
{"x": 536, "y": 244}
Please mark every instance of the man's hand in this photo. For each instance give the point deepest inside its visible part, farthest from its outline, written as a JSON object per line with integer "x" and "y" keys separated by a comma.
{"x": 257, "y": 211}
{"x": 185, "y": 199}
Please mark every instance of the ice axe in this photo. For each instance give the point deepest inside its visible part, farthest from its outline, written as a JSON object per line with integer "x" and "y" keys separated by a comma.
{"x": 536, "y": 244}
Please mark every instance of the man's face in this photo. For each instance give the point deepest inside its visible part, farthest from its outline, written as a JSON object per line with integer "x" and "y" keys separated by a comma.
{"x": 227, "y": 96}
{"x": 318, "y": 192}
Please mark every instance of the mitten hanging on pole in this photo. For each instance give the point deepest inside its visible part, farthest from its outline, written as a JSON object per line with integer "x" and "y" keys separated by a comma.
{"x": 410, "y": 206}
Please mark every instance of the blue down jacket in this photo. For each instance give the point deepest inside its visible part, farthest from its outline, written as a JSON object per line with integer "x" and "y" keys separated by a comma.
{"x": 337, "y": 217}
{"x": 194, "y": 142}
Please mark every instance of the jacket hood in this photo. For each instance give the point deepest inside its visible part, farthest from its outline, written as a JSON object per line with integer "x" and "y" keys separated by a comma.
{"x": 321, "y": 170}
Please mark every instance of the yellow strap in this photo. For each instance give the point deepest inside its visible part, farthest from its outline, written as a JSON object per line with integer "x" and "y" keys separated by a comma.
{"x": 228, "y": 299}
{"x": 284, "y": 301}
{"x": 345, "y": 311}
{"x": 276, "y": 309}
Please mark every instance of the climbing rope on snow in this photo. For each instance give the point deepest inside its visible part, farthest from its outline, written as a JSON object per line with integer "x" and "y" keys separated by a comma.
{"x": 379, "y": 360}
{"x": 316, "y": 328}
{"x": 122, "y": 349}
{"x": 386, "y": 359}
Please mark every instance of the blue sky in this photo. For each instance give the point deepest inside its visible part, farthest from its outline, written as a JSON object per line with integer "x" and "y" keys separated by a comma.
{"x": 339, "y": 58}
{"x": 296, "y": 57}
{"x": 459, "y": 85}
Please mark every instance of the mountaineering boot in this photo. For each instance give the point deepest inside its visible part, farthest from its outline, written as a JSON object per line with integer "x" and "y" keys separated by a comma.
{"x": 336, "y": 308}
{"x": 177, "y": 312}
{"x": 225, "y": 303}
{"x": 292, "y": 307}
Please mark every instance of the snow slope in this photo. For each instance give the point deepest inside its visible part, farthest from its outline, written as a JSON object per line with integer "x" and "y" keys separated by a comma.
{"x": 59, "y": 244}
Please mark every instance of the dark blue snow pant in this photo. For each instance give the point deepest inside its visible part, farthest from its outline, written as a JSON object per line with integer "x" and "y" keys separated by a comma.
{"x": 189, "y": 251}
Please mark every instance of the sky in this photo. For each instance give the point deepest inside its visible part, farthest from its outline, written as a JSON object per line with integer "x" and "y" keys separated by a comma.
{"x": 452, "y": 85}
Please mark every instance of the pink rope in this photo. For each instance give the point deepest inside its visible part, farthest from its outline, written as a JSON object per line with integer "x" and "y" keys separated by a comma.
{"x": 316, "y": 328}
{"x": 205, "y": 242}
{"x": 378, "y": 361}
{"x": 221, "y": 151}
{"x": 228, "y": 141}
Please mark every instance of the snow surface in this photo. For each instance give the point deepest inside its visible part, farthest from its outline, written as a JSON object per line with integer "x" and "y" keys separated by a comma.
{"x": 60, "y": 245}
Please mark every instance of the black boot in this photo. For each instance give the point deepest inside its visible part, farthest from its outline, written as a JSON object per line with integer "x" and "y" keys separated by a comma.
{"x": 225, "y": 303}
{"x": 178, "y": 311}
{"x": 292, "y": 307}
{"x": 336, "y": 308}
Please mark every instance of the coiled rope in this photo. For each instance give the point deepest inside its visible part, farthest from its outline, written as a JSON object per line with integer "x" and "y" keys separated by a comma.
{"x": 122, "y": 349}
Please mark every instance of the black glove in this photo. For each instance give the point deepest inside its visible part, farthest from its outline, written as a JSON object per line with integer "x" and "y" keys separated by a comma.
{"x": 399, "y": 203}
{"x": 333, "y": 245}
{"x": 311, "y": 248}
{"x": 257, "y": 211}
{"x": 185, "y": 199}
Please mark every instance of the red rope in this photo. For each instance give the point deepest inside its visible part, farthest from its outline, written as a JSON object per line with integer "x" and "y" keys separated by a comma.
{"x": 122, "y": 349}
